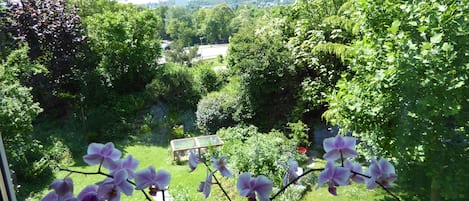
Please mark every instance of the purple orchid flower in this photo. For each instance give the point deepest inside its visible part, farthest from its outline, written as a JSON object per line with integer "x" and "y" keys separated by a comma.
{"x": 355, "y": 167}
{"x": 220, "y": 165}
{"x": 111, "y": 188}
{"x": 99, "y": 153}
{"x": 63, "y": 190}
{"x": 336, "y": 176}
{"x": 52, "y": 196}
{"x": 193, "y": 160}
{"x": 291, "y": 172}
{"x": 62, "y": 186}
{"x": 148, "y": 177}
{"x": 89, "y": 193}
{"x": 128, "y": 164}
{"x": 249, "y": 186}
{"x": 339, "y": 147}
{"x": 205, "y": 187}
{"x": 381, "y": 171}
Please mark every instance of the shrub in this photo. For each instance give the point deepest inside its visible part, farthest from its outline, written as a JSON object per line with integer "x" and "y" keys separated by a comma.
{"x": 208, "y": 79}
{"x": 174, "y": 85}
{"x": 298, "y": 133}
{"x": 215, "y": 111}
{"x": 258, "y": 153}
{"x": 32, "y": 161}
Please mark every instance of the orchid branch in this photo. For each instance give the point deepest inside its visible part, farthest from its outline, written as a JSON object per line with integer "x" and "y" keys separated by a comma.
{"x": 217, "y": 181}
{"x": 99, "y": 172}
{"x": 294, "y": 180}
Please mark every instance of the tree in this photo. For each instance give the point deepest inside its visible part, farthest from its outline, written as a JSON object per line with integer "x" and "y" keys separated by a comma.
{"x": 127, "y": 47}
{"x": 54, "y": 36}
{"x": 5, "y": 38}
{"x": 17, "y": 108}
{"x": 267, "y": 75}
{"x": 182, "y": 55}
{"x": 217, "y": 24}
{"x": 409, "y": 94}
{"x": 320, "y": 47}
{"x": 180, "y": 26}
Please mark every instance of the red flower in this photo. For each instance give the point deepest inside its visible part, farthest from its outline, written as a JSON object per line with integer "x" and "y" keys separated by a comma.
{"x": 302, "y": 150}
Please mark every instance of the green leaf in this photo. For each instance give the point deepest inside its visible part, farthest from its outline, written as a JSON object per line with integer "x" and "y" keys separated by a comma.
{"x": 422, "y": 29}
{"x": 394, "y": 27}
{"x": 447, "y": 47}
{"x": 436, "y": 38}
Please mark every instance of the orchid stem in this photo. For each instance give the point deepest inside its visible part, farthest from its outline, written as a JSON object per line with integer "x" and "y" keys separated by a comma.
{"x": 380, "y": 184}
{"x": 294, "y": 180}
{"x": 218, "y": 182}
{"x": 342, "y": 158}
{"x": 104, "y": 174}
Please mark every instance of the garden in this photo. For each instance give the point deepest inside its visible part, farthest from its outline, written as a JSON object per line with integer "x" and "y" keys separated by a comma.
{"x": 314, "y": 100}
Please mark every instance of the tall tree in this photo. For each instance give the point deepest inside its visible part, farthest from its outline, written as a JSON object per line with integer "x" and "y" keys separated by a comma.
{"x": 54, "y": 35}
{"x": 409, "y": 97}
{"x": 217, "y": 24}
{"x": 180, "y": 26}
{"x": 268, "y": 77}
{"x": 127, "y": 47}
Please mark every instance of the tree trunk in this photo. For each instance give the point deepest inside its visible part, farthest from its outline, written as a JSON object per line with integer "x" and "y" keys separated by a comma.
{"x": 435, "y": 191}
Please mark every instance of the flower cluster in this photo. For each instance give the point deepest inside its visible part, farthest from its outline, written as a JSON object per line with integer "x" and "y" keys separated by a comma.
{"x": 342, "y": 148}
{"x": 121, "y": 172}
{"x": 339, "y": 171}
{"x": 247, "y": 185}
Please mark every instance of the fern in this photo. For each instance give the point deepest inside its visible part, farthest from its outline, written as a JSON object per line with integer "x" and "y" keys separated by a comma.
{"x": 339, "y": 50}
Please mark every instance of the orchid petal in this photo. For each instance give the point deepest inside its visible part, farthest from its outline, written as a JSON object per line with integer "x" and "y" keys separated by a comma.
{"x": 89, "y": 193}
{"x": 193, "y": 160}
{"x": 62, "y": 186}
{"x": 52, "y": 196}
{"x": 208, "y": 185}
{"x": 162, "y": 179}
{"x": 263, "y": 187}
{"x": 243, "y": 184}
{"x": 144, "y": 178}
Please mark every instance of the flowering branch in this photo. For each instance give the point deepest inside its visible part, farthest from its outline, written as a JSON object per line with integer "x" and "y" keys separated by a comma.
{"x": 294, "y": 181}
{"x": 217, "y": 181}
{"x": 380, "y": 184}
{"x": 99, "y": 172}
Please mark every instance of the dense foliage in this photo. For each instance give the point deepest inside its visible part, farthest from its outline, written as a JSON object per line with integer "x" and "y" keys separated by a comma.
{"x": 267, "y": 76}
{"x": 258, "y": 153}
{"x": 408, "y": 96}
{"x": 126, "y": 46}
{"x": 54, "y": 35}
{"x": 17, "y": 107}
{"x": 176, "y": 86}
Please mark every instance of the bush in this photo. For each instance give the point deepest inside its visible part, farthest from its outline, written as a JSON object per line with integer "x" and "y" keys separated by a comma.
{"x": 215, "y": 111}
{"x": 208, "y": 79}
{"x": 258, "y": 153}
{"x": 175, "y": 85}
{"x": 32, "y": 161}
{"x": 113, "y": 120}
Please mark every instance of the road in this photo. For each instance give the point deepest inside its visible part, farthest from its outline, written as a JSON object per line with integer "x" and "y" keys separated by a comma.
{"x": 206, "y": 52}
{"x": 212, "y": 51}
